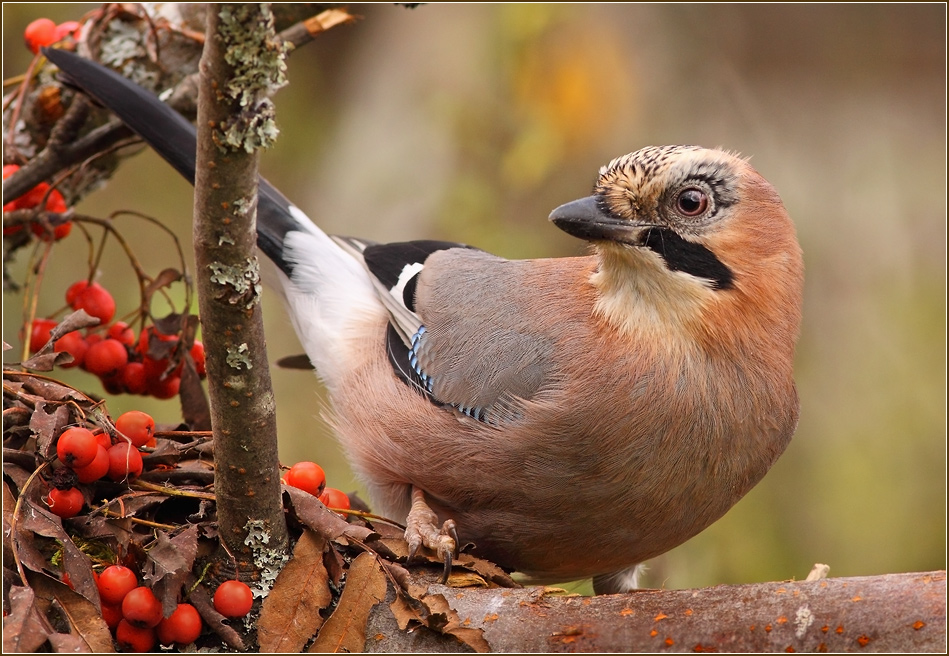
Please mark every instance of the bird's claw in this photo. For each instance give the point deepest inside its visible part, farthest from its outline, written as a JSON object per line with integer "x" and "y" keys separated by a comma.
{"x": 422, "y": 530}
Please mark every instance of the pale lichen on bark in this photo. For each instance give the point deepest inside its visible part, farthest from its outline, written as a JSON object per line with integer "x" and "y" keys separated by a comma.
{"x": 258, "y": 59}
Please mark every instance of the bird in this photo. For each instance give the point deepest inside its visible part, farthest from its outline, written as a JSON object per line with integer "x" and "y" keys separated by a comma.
{"x": 570, "y": 417}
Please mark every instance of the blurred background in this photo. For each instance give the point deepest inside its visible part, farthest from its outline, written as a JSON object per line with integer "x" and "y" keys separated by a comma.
{"x": 471, "y": 122}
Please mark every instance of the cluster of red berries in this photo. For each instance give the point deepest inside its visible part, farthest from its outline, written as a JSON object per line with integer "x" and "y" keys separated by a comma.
{"x": 135, "y": 615}
{"x": 309, "y": 477}
{"x": 33, "y": 198}
{"x": 122, "y": 361}
{"x": 92, "y": 456}
{"x": 43, "y": 32}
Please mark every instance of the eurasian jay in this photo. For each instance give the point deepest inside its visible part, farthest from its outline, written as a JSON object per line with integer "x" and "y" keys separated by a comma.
{"x": 572, "y": 417}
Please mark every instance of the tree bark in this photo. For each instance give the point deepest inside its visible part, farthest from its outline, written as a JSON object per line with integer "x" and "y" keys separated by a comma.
{"x": 887, "y": 613}
{"x": 241, "y": 64}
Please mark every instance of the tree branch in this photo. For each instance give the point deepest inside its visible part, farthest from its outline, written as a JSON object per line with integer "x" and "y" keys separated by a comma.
{"x": 887, "y": 613}
{"x": 235, "y": 119}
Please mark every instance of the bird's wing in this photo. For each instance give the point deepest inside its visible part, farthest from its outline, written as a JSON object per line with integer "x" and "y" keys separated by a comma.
{"x": 453, "y": 336}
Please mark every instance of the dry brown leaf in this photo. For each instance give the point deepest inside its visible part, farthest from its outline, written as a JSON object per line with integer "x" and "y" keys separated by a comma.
{"x": 39, "y": 520}
{"x": 25, "y": 628}
{"x": 48, "y": 361}
{"x": 85, "y": 619}
{"x": 345, "y": 630}
{"x": 407, "y": 610}
{"x": 168, "y": 563}
{"x": 466, "y": 580}
{"x": 66, "y": 643}
{"x": 163, "y": 279}
{"x": 445, "y": 620}
{"x": 194, "y": 402}
{"x": 314, "y": 514}
{"x": 47, "y": 421}
{"x": 290, "y": 614}
{"x": 335, "y": 566}
{"x": 488, "y": 570}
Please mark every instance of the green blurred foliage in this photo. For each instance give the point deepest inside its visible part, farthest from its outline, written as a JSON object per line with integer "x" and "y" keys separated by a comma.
{"x": 472, "y": 122}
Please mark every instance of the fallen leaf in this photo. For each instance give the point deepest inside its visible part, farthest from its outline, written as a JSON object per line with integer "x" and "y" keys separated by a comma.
{"x": 445, "y": 620}
{"x": 488, "y": 570}
{"x": 407, "y": 609}
{"x": 168, "y": 563}
{"x": 345, "y": 630}
{"x": 33, "y": 519}
{"x": 25, "y": 628}
{"x": 290, "y": 614}
{"x": 85, "y": 619}
{"x": 315, "y": 515}
{"x": 47, "y": 425}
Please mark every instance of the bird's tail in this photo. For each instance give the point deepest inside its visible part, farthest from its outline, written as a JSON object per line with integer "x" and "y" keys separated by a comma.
{"x": 329, "y": 293}
{"x": 172, "y": 137}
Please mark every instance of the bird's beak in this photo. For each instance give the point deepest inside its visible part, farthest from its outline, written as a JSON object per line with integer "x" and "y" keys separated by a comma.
{"x": 584, "y": 219}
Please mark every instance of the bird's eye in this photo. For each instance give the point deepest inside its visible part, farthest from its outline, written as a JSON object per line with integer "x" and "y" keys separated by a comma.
{"x": 691, "y": 202}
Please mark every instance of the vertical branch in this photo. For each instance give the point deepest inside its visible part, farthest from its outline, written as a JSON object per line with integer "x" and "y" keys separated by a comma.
{"x": 242, "y": 63}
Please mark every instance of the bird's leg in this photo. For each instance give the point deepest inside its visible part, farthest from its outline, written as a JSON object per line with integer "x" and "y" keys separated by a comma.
{"x": 421, "y": 528}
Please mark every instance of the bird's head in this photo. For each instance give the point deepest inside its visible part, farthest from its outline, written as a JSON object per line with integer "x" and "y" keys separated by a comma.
{"x": 690, "y": 236}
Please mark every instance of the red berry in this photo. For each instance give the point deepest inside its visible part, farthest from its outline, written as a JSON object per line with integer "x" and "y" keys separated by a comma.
{"x": 77, "y": 447}
{"x": 133, "y": 378}
{"x": 8, "y": 170}
{"x": 182, "y": 626}
{"x": 74, "y": 344}
{"x": 115, "y": 582}
{"x": 39, "y": 333}
{"x": 124, "y": 462}
{"x": 137, "y": 426}
{"x": 69, "y": 28}
{"x": 233, "y": 599}
{"x": 60, "y": 231}
{"x": 142, "y": 608}
{"x": 307, "y": 476}
{"x": 133, "y": 638}
{"x": 96, "y": 469}
{"x": 106, "y": 358}
{"x": 112, "y": 614}
{"x": 33, "y": 197}
{"x": 39, "y": 33}
{"x": 103, "y": 439}
{"x": 164, "y": 389}
{"x": 121, "y": 332}
{"x": 65, "y": 503}
{"x": 54, "y": 203}
{"x": 112, "y": 384}
{"x": 72, "y": 293}
{"x": 333, "y": 498}
{"x": 197, "y": 354}
{"x": 96, "y": 301}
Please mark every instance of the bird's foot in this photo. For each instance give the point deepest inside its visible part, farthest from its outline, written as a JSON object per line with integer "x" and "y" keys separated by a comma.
{"x": 421, "y": 529}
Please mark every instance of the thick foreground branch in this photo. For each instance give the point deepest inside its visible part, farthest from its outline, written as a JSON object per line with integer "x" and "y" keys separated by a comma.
{"x": 888, "y": 613}
{"x": 235, "y": 119}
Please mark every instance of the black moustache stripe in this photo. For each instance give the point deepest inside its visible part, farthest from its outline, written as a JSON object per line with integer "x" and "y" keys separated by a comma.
{"x": 688, "y": 257}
